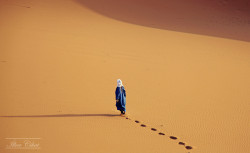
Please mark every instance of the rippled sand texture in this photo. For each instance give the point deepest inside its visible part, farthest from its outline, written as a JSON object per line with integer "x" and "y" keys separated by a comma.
{"x": 185, "y": 66}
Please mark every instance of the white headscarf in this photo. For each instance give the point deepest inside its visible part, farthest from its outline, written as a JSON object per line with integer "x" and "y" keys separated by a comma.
{"x": 119, "y": 83}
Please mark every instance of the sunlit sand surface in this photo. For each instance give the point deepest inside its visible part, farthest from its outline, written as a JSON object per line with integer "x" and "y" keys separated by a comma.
{"x": 187, "y": 91}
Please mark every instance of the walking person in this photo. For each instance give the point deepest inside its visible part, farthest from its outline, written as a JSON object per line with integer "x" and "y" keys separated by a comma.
{"x": 120, "y": 94}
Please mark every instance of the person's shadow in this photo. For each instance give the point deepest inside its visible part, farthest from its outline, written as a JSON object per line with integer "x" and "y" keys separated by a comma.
{"x": 66, "y": 115}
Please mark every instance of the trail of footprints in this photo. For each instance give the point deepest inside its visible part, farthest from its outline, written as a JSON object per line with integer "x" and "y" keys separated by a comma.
{"x": 161, "y": 133}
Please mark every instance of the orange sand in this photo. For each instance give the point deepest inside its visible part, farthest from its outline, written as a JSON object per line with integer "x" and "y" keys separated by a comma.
{"x": 59, "y": 61}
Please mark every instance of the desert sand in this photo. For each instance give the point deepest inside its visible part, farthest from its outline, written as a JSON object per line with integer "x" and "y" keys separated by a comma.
{"x": 185, "y": 67}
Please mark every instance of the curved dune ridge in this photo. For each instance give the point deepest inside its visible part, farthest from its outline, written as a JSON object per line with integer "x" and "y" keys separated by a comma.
{"x": 221, "y": 18}
{"x": 184, "y": 69}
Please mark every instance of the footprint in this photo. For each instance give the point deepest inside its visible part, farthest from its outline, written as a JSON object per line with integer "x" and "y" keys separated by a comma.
{"x": 143, "y": 125}
{"x": 161, "y": 133}
{"x": 181, "y": 143}
{"x": 189, "y": 147}
{"x": 21, "y": 6}
{"x": 173, "y": 137}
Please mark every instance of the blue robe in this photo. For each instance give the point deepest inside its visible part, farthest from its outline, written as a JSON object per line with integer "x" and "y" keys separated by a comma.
{"x": 120, "y": 94}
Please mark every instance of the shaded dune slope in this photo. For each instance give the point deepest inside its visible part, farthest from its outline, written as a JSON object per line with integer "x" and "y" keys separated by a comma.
{"x": 223, "y": 18}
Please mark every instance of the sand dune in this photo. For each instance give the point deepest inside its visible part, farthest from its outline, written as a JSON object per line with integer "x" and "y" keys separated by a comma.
{"x": 221, "y": 18}
{"x": 59, "y": 61}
